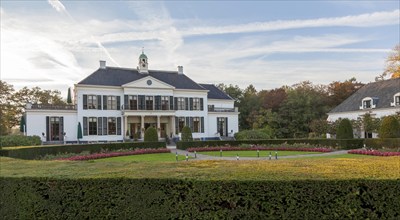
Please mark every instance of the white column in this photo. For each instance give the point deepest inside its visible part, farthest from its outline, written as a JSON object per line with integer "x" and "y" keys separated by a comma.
{"x": 142, "y": 127}
{"x": 125, "y": 126}
{"x": 173, "y": 125}
{"x": 158, "y": 126}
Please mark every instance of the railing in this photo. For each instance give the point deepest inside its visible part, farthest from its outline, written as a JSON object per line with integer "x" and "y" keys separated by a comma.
{"x": 137, "y": 108}
{"x": 53, "y": 107}
{"x": 214, "y": 109}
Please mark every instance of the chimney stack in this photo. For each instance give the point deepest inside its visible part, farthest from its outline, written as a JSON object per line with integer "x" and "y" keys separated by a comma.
{"x": 102, "y": 64}
{"x": 180, "y": 69}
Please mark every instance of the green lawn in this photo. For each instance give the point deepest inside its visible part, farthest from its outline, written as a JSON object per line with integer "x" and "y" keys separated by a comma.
{"x": 336, "y": 156}
{"x": 249, "y": 153}
{"x": 163, "y": 157}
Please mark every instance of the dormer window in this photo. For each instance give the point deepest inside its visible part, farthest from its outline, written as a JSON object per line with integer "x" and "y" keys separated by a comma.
{"x": 396, "y": 100}
{"x": 368, "y": 103}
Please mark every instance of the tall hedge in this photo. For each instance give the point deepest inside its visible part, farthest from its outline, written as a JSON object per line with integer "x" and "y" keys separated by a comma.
{"x": 390, "y": 128}
{"x": 122, "y": 198}
{"x": 186, "y": 134}
{"x": 19, "y": 140}
{"x": 344, "y": 130}
{"x": 150, "y": 135}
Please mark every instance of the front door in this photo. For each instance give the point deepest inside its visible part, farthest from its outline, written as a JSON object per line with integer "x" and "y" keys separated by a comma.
{"x": 163, "y": 131}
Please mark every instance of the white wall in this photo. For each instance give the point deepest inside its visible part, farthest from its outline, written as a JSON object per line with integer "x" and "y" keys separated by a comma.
{"x": 377, "y": 113}
{"x": 233, "y": 123}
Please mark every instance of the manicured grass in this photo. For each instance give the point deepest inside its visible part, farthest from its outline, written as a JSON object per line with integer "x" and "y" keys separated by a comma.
{"x": 315, "y": 169}
{"x": 163, "y": 157}
{"x": 356, "y": 156}
{"x": 252, "y": 153}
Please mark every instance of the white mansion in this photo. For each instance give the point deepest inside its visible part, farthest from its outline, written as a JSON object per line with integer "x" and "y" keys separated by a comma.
{"x": 116, "y": 104}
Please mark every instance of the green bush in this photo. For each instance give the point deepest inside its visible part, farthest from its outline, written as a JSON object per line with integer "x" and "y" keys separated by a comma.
{"x": 379, "y": 143}
{"x": 187, "y": 134}
{"x": 258, "y": 134}
{"x": 335, "y": 143}
{"x": 19, "y": 140}
{"x": 344, "y": 130}
{"x": 150, "y": 135}
{"x": 121, "y": 198}
{"x": 390, "y": 128}
{"x": 41, "y": 151}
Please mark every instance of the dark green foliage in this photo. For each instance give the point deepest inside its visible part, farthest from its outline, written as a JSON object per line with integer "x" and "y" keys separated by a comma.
{"x": 378, "y": 143}
{"x": 344, "y": 130}
{"x": 121, "y": 198}
{"x": 19, "y": 140}
{"x": 390, "y": 128}
{"x": 252, "y": 135}
{"x": 41, "y": 151}
{"x": 150, "y": 135}
{"x": 340, "y": 144}
{"x": 187, "y": 134}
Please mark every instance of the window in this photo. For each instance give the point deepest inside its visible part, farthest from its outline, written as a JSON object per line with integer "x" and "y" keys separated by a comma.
{"x": 92, "y": 126}
{"x": 111, "y": 102}
{"x": 181, "y": 103}
{"x": 196, "y": 124}
{"x": 222, "y": 126}
{"x": 112, "y": 126}
{"x": 149, "y": 102}
{"x": 181, "y": 123}
{"x": 133, "y": 102}
{"x": 366, "y": 104}
{"x": 196, "y": 104}
{"x": 164, "y": 103}
{"x": 210, "y": 108}
{"x": 397, "y": 100}
{"x": 55, "y": 131}
{"x": 92, "y": 102}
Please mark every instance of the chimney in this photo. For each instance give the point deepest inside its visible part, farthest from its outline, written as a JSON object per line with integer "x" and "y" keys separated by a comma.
{"x": 102, "y": 64}
{"x": 180, "y": 69}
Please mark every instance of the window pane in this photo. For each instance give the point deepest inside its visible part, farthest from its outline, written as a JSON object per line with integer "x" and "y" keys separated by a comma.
{"x": 92, "y": 126}
{"x": 112, "y": 126}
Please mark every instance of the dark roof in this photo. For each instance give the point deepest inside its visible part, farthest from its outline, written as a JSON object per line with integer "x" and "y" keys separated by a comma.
{"x": 381, "y": 92}
{"x": 215, "y": 93}
{"x": 114, "y": 76}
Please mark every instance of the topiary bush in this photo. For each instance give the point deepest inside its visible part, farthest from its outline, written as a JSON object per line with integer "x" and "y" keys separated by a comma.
{"x": 187, "y": 134}
{"x": 252, "y": 135}
{"x": 344, "y": 130}
{"x": 150, "y": 135}
{"x": 390, "y": 128}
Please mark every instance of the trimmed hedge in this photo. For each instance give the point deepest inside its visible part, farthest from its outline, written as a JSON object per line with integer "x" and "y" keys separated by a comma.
{"x": 150, "y": 135}
{"x": 344, "y": 130}
{"x": 121, "y": 198}
{"x": 19, "y": 140}
{"x": 390, "y": 128}
{"x": 187, "y": 134}
{"x": 342, "y": 144}
{"x": 40, "y": 151}
{"x": 378, "y": 143}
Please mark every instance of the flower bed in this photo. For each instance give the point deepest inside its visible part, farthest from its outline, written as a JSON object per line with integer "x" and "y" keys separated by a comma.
{"x": 254, "y": 148}
{"x": 374, "y": 153}
{"x": 116, "y": 154}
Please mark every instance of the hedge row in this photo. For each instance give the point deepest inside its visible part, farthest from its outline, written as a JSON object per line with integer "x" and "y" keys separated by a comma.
{"x": 19, "y": 140}
{"x": 40, "y": 151}
{"x": 121, "y": 198}
{"x": 336, "y": 143}
{"x": 378, "y": 143}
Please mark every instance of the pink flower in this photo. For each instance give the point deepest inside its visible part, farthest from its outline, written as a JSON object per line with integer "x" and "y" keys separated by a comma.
{"x": 117, "y": 154}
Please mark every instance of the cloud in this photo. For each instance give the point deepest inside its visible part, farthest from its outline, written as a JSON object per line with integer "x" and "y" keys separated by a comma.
{"x": 57, "y": 5}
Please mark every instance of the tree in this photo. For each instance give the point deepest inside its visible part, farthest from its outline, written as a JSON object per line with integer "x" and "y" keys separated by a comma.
{"x": 150, "y": 135}
{"x": 8, "y": 110}
{"x": 249, "y": 105}
{"x": 187, "y": 134}
{"x": 274, "y": 98}
{"x": 390, "y": 127}
{"x": 319, "y": 126}
{"x": 69, "y": 99}
{"x": 340, "y": 91}
{"x": 392, "y": 65}
{"x": 344, "y": 130}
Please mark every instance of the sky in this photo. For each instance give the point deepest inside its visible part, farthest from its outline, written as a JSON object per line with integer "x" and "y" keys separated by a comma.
{"x": 55, "y": 44}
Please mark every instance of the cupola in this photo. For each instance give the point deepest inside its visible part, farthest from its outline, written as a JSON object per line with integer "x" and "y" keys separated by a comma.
{"x": 143, "y": 64}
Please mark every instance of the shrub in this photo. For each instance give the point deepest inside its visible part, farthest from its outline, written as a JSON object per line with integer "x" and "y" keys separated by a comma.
{"x": 19, "y": 140}
{"x": 116, "y": 154}
{"x": 390, "y": 128}
{"x": 150, "y": 135}
{"x": 378, "y": 143}
{"x": 374, "y": 153}
{"x": 252, "y": 135}
{"x": 187, "y": 134}
{"x": 344, "y": 130}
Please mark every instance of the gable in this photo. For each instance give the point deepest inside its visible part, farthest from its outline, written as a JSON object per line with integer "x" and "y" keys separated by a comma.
{"x": 148, "y": 82}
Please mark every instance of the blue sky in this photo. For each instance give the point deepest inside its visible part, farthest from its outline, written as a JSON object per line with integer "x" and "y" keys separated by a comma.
{"x": 55, "y": 44}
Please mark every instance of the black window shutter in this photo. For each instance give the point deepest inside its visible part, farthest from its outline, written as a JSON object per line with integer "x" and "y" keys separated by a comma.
{"x": 84, "y": 101}
{"x": 47, "y": 128}
{"x": 61, "y": 128}
{"x": 191, "y": 124}
{"x": 126, "y": 104}
{"x": 176, "y": 125}
{"x": 186, "y": 103}
{"x": 171, "y": 103}
{"x": 201, "y": 104}
{"x": 99, "y": 126}
{"x": 190, "y": 103}
{"x": 226, "y": 126}
{"x": 99, "y": 102}
{"x": 118, "y": 102}
{"x": 118, "y": 125}
{"x": 104, "y": 102}
{"x": 218, "y": 126}
{"x": 158, "y": 102}
{"x": 176, "y": 103}
{"x": 85, "y": 128}
{"x": 104, "y": 125}
{"x": 202, "y": 124}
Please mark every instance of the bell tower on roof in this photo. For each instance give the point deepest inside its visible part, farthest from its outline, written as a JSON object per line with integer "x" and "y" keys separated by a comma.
{"x": 143, "y": 64}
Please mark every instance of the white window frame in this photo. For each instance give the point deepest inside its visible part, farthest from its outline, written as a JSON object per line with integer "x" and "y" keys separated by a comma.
{"x": 397, "y": 95}
{"x": 366, "y": 100}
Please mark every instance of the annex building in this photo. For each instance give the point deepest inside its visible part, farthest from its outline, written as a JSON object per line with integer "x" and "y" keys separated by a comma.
{"x": 117, "y": 104}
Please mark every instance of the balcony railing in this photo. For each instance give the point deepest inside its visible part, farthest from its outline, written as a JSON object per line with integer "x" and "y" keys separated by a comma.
{"x": 214, "y": 109}
{"x": 51, "y": 107}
